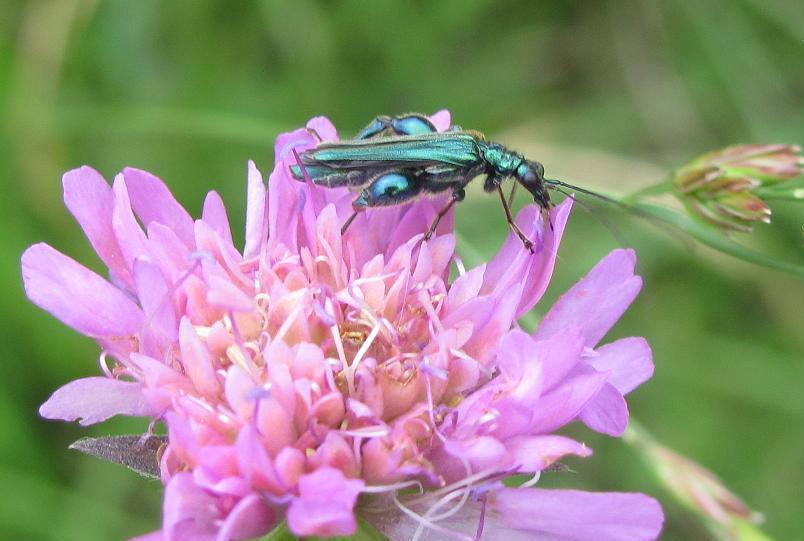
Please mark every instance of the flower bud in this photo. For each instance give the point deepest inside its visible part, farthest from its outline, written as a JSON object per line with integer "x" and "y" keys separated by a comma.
{"x": 698, "y": 489}
{"x": 720, "y": 186}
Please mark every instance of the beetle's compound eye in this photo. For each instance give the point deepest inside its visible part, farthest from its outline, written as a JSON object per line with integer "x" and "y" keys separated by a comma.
{"x": 390, "y": 189}
{"x": 529, "y": 177}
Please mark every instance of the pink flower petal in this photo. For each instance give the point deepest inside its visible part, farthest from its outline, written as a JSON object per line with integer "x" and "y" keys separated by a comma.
{"x": 77, "y": 296}
{"x": 442, "y": 120}
{"x": 189, "y": 513}
{"x": 255, "y": 212}
{"x": 196, "y": 360}
{"x": 465, "y": 287}
{"x": 255, "y": 464}
{"x": 607, "y": 412}
{"x": 250, "y": 518}
{"x": 214, "y": 214}
{"x": 512, "y": 262}
{"x": 130, "y": 236}
{"x": 225, "y": 295}
{"x": 160, "y": 329}
{"x": 629, "y": 362}
{"x": 534, "y": 453}
{"x": 541, "y": 264}
{"x": 167, "y": 250}
{"x": 482, "y": 453}
{"x": 92, "y": 400}
{"x": 183, "y": 442}
{"x": 557, "y": 355}
{"x": 597, "y": 301}
{"x": 89, "y": 198}
{"x": 485, "y": 338}
{"x": 323, "y": 127}
{"x": 283, "y": 209}
{"x": 325, "y": 504}
{"x": 519, "y": 361}
{"x": 153, "y": 202}
{"x": 565, "y": 402}
{"x": 579, "y": 516}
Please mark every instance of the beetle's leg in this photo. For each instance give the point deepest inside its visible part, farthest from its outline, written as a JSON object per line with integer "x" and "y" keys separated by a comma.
{"x": 389, "y": 188}
{"x": 386, "y": 189}
{"x": 314, "y": 133}
{"x": 510, "y": 219}
{"x": 348, "y": 222}
{"x": 376, "y": 128}
{"x": 412, "y": 124}
{"x": 512, "y": 193}
{"x": 407, "y": 124}
{"x": 457, "y": 195}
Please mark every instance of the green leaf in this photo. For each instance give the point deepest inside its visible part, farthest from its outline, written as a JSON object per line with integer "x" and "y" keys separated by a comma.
{"x": 715, "y": 239}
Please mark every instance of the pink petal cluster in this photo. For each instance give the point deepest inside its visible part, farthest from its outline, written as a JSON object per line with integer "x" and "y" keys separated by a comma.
{"x": 312, "y": 376}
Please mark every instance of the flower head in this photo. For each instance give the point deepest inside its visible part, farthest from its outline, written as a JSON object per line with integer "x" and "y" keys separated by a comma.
{"x": 314, "y": 375}
{"x": 721, "y": 186}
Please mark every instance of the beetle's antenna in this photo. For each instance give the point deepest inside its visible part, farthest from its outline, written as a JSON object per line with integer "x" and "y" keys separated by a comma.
{"x": 556, "y": 184}
{"x": 615, "y": 232}
{"x": 552, "y": 183}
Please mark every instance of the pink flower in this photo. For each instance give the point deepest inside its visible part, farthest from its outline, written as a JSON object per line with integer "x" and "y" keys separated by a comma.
{"x": 312, "y": 368}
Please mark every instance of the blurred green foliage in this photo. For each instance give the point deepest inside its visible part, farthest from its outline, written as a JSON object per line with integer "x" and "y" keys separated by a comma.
{"x": 192, "y": 89}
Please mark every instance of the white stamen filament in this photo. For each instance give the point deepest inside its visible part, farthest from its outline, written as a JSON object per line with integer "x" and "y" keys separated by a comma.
{"x": 379, "y": 489}
{"x": 424, "y": 522}
{"x": 104, "y": 365}
{"x": 336, "y": 335}
{"x": 467, "y": 481}
{"x": 367, "y": 432}
{"x": 427, "y": 304}
{"x": 349, "y": 370}
{"x": 357, "y": 442}
{"x": 459, "y": 264}
{"x": 262, "y": 301}
{"x": 431, "y": 408}
{"x": 532, "y": 481}
{"x": 464, "y": 494}
{"x": 235, "y": 354}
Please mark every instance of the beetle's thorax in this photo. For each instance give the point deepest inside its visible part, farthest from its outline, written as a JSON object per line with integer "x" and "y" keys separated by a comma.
{"x": 501, "y": 161}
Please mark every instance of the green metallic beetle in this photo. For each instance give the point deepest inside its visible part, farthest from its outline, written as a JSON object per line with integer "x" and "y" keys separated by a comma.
{"x": 394, "y": 160}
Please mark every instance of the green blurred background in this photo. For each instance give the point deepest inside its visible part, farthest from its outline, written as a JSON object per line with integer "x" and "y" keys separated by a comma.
{"x": 607, "y": 94}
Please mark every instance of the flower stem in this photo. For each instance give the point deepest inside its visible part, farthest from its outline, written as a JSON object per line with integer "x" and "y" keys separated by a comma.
{"x": 697, "y": 490}
{"x": 659, "y": 188}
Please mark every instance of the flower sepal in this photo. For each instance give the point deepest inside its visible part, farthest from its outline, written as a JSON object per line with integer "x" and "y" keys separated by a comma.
{"x": 138, "y": 453}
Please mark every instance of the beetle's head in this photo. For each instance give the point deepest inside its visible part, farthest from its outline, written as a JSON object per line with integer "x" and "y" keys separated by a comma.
{"x": 531, "y": 176}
